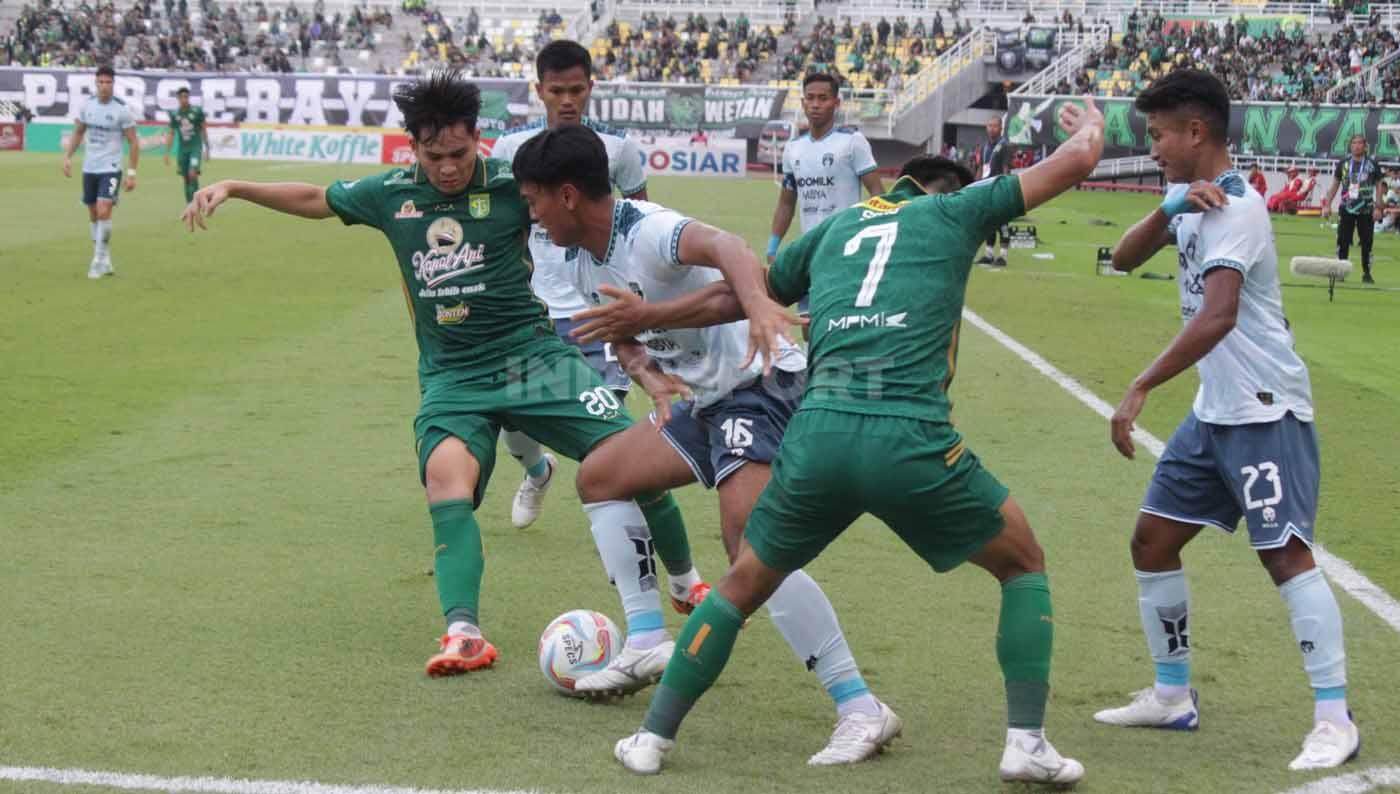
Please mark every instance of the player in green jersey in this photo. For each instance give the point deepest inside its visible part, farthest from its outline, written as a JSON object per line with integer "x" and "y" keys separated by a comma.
{"x": 187, "y": 122}
{"x": 887, "y": 279}
{"x": 487, "y": 355}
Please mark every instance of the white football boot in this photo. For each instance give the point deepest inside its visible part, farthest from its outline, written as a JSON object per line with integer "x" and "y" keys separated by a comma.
{"x": 641, "y": 753}
{"x": 106, "y": 263}
{"x": 858, "y": 737}
{"x": 1328, "y": 745}
{"x": 1147, "y": 711}
{"x": 529, "y": 498}
{"x": 95, "y": 268}
{"x": 630, "y": 671}
{"x": 1038, "y": 763}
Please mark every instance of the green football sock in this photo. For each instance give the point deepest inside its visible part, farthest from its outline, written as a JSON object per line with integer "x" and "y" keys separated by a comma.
{"x": 701, "y": 653}
{"x": 1025, "y": 638}
{"x": 458, "y": 561}
{"x": 668, "y": 533}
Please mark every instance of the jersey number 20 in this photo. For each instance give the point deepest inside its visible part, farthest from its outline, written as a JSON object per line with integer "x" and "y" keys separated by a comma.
{"x": 884, "y": 234}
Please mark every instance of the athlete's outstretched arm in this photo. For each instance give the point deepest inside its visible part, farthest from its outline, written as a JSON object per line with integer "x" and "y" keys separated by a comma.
{"x": 769, "y": 321}
{"x": 626, "y": 315}
{"x": 1072, "y": 161}
{"x": 1216, "y": 318}
{"x": 294, "y": 198}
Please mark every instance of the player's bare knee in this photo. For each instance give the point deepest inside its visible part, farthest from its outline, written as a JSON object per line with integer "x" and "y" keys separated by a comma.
{"x": 592, "y": 482}
{"x": 451, "y": 472}
{"x": 1287, "y": 561}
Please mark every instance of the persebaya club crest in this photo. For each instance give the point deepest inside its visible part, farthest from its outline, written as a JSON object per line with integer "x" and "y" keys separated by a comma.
{"x": 479, "y": 205}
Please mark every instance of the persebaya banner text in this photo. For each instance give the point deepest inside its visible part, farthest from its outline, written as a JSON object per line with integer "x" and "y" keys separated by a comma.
{"x": 1260, "y": 128}
{"x": 340, "y": 100}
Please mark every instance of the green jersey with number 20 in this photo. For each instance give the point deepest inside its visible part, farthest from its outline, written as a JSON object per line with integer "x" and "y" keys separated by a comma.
{"x": 464, "y": 260}
{"x": 887, "y": 279}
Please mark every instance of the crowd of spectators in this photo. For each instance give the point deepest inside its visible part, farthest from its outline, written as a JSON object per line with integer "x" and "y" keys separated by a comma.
{"x": 170, "y": 35}
{"x": 692, "y": 49}
{"x": 879, "y": 55}
{"x": 1258, "y": 60}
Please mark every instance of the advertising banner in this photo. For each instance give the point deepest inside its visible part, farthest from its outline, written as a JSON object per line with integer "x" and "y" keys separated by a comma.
{"x": 296, "y": 146}
{"x": 398, "y": 149}
{"x": 11, "y": 136}
{"x": 340, "y": 100}
{"x": 53, "y": 137}
{"x": 734, "y": 111}
{"x": 1259, "y": 128}
{"x": 680, "y": 157}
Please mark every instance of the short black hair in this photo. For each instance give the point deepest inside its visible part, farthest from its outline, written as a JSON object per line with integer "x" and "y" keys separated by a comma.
{"x": 1192, "y": 91}
{"x": 929, "y": 170}
{"x": 561, "y": 56}
{"x": 181, "y": 90}
{"x": 106, "y": 70}
{"x": 822, "y": 77}
{"x": 433, "y": 104}
{"x": 568, "y": 154}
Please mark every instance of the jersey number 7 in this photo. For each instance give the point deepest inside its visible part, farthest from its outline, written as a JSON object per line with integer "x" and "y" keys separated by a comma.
{"x": 884, "y": 234}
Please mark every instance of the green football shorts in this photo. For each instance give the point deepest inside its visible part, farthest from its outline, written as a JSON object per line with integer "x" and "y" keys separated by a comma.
{"x": 185, "y": 162}
{"x": 546, "y": 390}
{"x": 915, "y": 476}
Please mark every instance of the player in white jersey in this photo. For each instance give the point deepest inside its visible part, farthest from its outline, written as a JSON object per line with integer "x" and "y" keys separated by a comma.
{"x": 1247, "y": 449}
{"x": 105, "y": 122}
{"x": 564, "y": 70}
{"x": 824, "y": 168}
{"x": 739, "y": 396}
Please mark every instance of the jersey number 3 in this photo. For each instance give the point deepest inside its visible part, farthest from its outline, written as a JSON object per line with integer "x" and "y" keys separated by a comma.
{"x": 884, "y": 234}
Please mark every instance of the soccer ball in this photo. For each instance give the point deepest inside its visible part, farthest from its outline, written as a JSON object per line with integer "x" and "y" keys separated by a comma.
{"x": 575, "y": 644}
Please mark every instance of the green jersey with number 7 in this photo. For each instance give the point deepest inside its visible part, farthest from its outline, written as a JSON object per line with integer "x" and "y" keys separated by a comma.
{"x": 887, "y": 279}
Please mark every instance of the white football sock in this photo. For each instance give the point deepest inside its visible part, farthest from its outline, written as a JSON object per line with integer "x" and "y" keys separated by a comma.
{"x": 1163, "y": 607}
{"x": 463, "y": 627}
{"x": 104, "y": 234}
{"x": 624, "y": 542}
{"x": 526, "y": 450}
{"x": 807, "y": 621}
{"x": 1317, "y": 625}
{"x": 681, "y": 583}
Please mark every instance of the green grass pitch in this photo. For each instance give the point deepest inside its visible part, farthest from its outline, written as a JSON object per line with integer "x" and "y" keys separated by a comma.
{"x": 213, "y": 541}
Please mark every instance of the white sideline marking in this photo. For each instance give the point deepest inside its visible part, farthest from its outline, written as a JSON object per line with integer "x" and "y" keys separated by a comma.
{"x": 1354, "y": 783}
{"x": 1355, "y": 583}
{"x": 1337, "y": 569}
{"x": 212, "y": 785}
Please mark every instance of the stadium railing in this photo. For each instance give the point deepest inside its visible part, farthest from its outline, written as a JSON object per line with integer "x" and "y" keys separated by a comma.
{"x": 1068, "y": 65}
{"x": 758, "y": 13}
{"x": 977, "y": 43}
{"x": 1366, "y": 78}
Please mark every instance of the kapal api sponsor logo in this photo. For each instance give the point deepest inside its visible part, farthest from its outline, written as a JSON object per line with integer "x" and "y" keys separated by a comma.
{"x": 447, "y": 256}
{"x": 408, "y": 210}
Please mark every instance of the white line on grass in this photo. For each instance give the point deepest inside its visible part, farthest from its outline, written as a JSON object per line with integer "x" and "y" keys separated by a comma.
{"x": 210, "y": 785}
{"x": 1354, "y": 783}
{"x": 1371, "y": 595}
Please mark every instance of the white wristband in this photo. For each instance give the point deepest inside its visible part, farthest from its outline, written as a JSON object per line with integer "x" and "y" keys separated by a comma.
{"x": 131, "y": 172}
